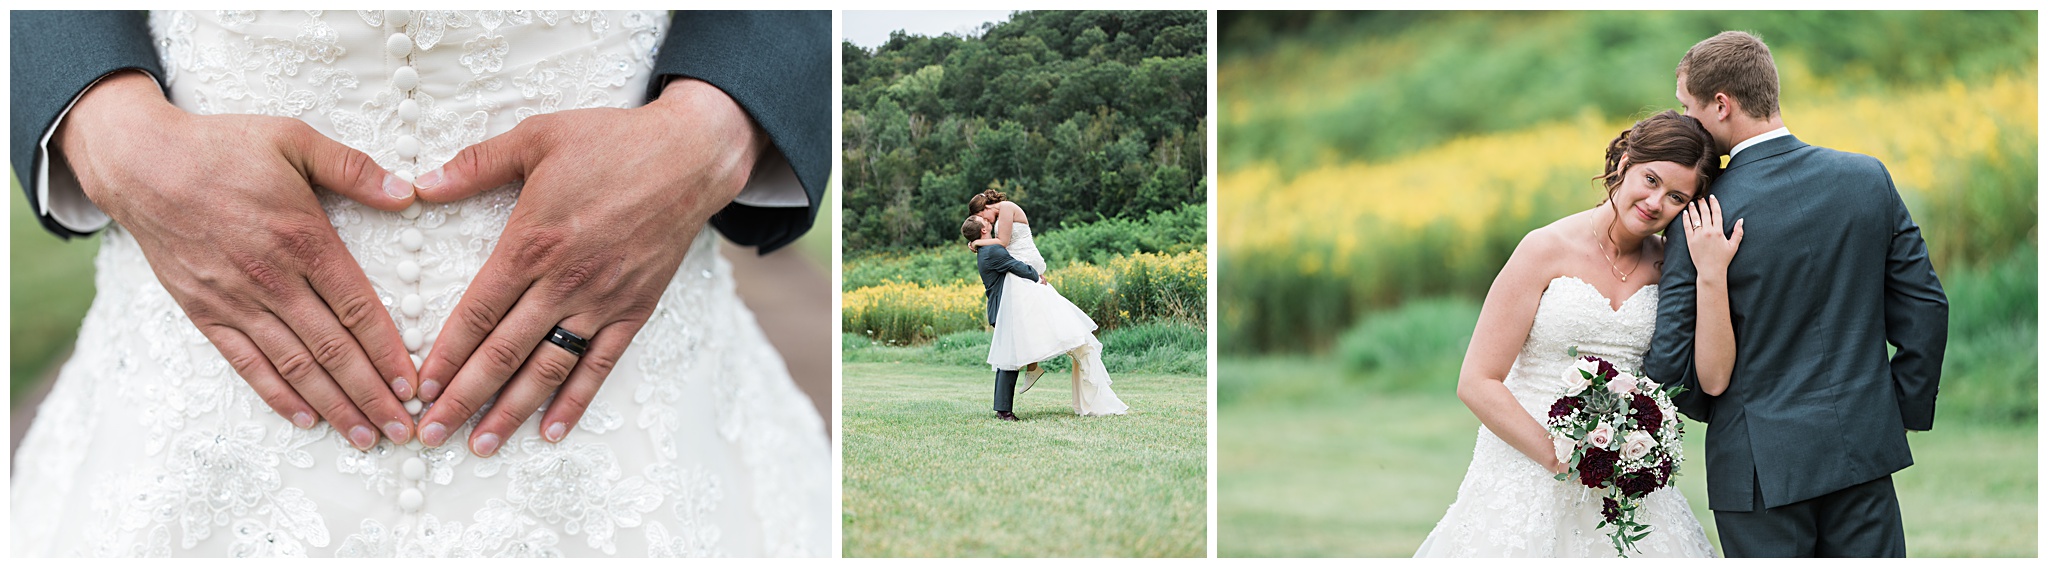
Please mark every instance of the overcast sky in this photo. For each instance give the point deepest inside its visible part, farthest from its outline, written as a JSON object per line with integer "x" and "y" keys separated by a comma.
{"x": 871, "y": 28}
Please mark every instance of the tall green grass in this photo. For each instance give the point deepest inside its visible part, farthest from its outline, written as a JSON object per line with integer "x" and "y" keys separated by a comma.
{"x": 1165, "y": 348}
{"x": 1097, "y": 242}
{"x": 1989, "y": 374}
{"x": 1304, "y": 89}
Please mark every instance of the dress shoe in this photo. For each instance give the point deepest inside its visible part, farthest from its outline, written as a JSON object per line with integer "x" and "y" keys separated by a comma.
{"x": 1006, "y": 415}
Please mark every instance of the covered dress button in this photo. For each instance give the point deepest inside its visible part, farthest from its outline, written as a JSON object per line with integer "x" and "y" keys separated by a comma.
{"x": 411, "y": 211}
{"x": 417, "y": 361}
{"x": 398, "y": 45}
{"x": 405, "y": 78}
{"x": 412, "y": 305}
{"x": 408, "y": 110}
{"x": 414, "y": 469}
{"x": 412, "y": 239}
{"x": 411, "y": 499}
{"x": 409, "y": 271}
{"x": 398, "y": 17}
{"x": 413, "y": 406}
{"x": 408, "y": 147}
{"x": 413, "y": 339}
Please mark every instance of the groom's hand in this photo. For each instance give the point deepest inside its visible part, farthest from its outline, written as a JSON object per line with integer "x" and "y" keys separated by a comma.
{"x": 612, "y": 200}
{"x": 222, "y": 208}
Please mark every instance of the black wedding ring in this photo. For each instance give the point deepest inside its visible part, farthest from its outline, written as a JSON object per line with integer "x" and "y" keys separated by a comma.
{"x": 574, "y": 344}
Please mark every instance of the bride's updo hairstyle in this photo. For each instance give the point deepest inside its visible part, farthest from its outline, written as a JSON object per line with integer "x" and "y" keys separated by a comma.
{"x": 1664, "y": 137}
{"x": 984, "y": 199}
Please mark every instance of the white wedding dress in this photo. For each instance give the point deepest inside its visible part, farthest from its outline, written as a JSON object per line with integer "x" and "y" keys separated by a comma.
{"x": 150, "y": 444}
{"x": 1509, "y": 505}
{"x": 1036, "y": 323}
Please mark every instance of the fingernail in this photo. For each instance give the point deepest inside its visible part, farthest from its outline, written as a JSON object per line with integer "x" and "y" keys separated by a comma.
{"x": 396, "y": 187}
{"x": 428, "y": 180}
{"x": 302, "y": 420}
{"x": 362, "y": 437}
{"x": 401, "y": 388}
{"x": 556, "y": 431}
{"x": 485, "y": 445}
{"x": 433, "y": 434}
{"x": 430, "y": 389}
{"x": 396, "y": 432}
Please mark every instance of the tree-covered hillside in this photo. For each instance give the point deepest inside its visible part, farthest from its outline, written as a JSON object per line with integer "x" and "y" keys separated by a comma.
{"x": 1075, "y": 115}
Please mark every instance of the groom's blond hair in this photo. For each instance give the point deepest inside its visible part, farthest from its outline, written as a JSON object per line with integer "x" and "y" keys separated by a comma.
{"x": 1735, "y": 63}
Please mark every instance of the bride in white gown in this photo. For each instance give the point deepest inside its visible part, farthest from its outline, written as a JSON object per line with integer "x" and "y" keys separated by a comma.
{"x": 1556, "y": 293}
{"x": 1036, "y": 323}
{"x": 151, "y": 445}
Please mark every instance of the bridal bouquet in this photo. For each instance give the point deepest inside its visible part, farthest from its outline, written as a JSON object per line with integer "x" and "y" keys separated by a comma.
{"x": 1620, "y": 434}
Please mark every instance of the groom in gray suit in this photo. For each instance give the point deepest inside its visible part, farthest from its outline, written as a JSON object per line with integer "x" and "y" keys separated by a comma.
{"x": 1802, "y": 444}
{"x": 994, "y": 261}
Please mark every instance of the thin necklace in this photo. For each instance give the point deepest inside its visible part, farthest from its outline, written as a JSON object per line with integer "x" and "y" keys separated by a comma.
{"x": 1637, "y": 265}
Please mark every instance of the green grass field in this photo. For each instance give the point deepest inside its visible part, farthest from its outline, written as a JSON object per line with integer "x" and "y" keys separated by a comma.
{"x": 1311, "y": 463}
{"x": 930, "y": 471}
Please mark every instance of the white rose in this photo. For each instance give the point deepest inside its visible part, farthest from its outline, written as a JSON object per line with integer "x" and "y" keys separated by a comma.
{"x": 1646, "y": 384}
{"x": 1601, "y": 436}
{"x": 1564, "y": 447}
{"x": 1637, "y": 444}
{"x": 1590, "y": 366}
{"x": 1575, "y": 383}
{"x": 1621, "y": 385}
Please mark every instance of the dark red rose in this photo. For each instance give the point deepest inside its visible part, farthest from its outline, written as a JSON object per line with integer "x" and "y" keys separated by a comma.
{"x": 1606, "y": 368}
{"x": 1597, "y": 467}
{"x": 1638, "y": 483}
{"x": 1566, "y": 406}
{"x": 1645, "y": 410}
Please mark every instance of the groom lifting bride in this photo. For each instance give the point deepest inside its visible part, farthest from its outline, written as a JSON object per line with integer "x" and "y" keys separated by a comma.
{"x": 1033, "y": 322}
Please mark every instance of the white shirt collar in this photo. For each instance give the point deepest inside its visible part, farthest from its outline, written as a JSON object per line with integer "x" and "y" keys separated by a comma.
{"x": 1754, "y": 140}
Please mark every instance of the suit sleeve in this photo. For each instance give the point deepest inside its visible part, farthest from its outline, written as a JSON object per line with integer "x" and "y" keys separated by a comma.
{"x": 1023, "y": 270}
{"x": 55, "y": 56}
{"x": 1670, "y": 360}
{"x": 1915, "y": 317}
{"x": 777, "y": 65}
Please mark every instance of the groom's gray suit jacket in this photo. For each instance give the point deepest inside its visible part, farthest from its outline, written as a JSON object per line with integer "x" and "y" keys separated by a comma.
{"x": 1831, "y": 269}
{"x": 994, "y": 261}
{"x": 777, "y": 65}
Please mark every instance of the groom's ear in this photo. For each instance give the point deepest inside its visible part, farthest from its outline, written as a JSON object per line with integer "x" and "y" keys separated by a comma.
{"x": 1725, "y": 106}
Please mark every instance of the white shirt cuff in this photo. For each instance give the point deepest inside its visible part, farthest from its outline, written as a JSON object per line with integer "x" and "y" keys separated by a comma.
{"x": 57, "y": 189}
{"x": 773, "y": 183}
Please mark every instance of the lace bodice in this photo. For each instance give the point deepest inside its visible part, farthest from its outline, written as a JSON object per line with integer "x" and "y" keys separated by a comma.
{"x": 1572, "y": 313}
{"x": 698, "y": 444}
{"x": 1022, "y": 248}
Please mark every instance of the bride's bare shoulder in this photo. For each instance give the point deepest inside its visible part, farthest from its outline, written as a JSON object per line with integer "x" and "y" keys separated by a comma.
{"x": 1548, "y": 242}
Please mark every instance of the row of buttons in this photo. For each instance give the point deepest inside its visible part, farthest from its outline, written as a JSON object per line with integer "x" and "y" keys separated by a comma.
{"x": 400, "y": 48}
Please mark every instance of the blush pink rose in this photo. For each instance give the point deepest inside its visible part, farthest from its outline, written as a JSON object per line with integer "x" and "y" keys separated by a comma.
{"x": 1563, "y": 448}
{"x": 1622, "y": 386}
{"x": 1637, "y": 444}
{"x": 1602, "y": 436}
{"x": 1575, "y": 383}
